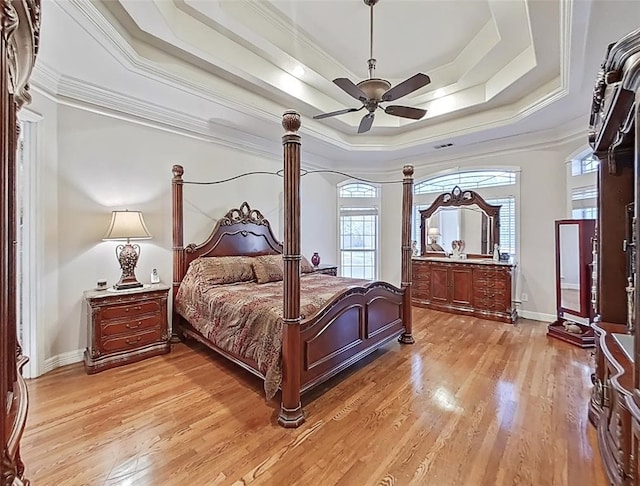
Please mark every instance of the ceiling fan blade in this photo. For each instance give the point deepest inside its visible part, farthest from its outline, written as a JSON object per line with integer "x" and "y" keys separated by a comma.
{"x": 336, "y": 113}
{"x": 410, "y": 85}
{"x": 365, "y": 123}
{"x": 348, "y": 86}
{"x": 405, "y": 112}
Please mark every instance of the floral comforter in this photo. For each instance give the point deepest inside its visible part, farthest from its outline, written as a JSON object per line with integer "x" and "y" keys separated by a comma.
{"x": 246, "y": 318}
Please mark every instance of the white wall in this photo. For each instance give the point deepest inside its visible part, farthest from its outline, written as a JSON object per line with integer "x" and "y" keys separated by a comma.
{"x": 93, "y": 164}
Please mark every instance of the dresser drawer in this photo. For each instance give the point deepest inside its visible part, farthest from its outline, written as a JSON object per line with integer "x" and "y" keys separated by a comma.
{"x": 129, "y": 310}
{"x": 125, "y": 343}
{"x": 113, "y": 327}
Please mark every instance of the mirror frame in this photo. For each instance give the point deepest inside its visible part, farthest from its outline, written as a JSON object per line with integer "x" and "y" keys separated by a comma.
{"x": 586, "y": 232}
{"x": 457, "y": 198}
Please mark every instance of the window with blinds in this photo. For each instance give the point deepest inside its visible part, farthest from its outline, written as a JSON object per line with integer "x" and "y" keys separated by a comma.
{"x": 358, "y": 232}
{"x": 507, "y": 223}
{"x": 584, "y": 203}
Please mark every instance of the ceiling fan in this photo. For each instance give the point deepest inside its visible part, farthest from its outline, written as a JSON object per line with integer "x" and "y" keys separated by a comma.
{"x": 373, "y": 91}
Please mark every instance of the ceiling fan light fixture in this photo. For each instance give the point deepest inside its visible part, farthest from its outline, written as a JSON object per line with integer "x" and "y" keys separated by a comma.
{"x": 373, "y": 91}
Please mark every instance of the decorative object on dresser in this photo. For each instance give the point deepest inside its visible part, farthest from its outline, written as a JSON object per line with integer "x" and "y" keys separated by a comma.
{"x": 127, "y": 225}
{"x": 310, "y": 348}
{"x": 125, "y": 326}
{"x": 19, "y": 40}
{"x": 574, "y": 242}
{"x": 326, "y": 269}
{"x": 615, "y": 401}
{"x": 477, "y": 287}
{"x": 315, "y": 259}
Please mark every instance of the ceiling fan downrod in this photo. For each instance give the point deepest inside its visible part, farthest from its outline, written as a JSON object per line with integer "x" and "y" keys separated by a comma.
{"x": 371, "y": 62}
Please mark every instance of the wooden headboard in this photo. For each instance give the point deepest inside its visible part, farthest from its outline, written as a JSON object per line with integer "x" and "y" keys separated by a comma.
{"x": 242, "y": 231}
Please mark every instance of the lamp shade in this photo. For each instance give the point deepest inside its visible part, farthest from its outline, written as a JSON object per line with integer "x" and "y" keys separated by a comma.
{"x": 127, "y": 225}
{"x": 434, "y": 232}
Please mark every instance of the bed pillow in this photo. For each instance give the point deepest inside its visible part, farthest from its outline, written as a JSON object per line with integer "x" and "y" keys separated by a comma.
{"x": 223, "y": 270}
{"x": 305, "y": 266}
{"x": 268, "y": 268}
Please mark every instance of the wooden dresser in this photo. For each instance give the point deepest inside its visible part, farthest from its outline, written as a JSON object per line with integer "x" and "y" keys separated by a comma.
{"x": 477, "y": 287}
{"x": 614, "y": 136}
{"x": 19, "y": 38}
{"x": 125, "y": 326}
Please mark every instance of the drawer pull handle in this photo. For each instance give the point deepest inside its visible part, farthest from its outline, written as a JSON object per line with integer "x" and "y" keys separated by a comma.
{"x": 135, "y": 341}
{"x": 136, "y": 308}
{"x": 128, "y": 325}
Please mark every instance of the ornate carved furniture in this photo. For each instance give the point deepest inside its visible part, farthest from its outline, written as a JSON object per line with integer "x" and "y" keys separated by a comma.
{"x": 19, "y": 34}
{"x": 482, "y": 218}
{"x": 477, "y": 287}
{"x": 326, "y": 269}
{"x": 125, "y": 326}
{"x": 316, "y": 347}
{"x": 574, "y": 241}
{"x": 615, "y": 123}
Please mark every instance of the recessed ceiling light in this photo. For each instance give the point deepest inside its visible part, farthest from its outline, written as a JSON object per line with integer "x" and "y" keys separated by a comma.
{"x": 438, "y": 93}
{"x": 298, "y": 71}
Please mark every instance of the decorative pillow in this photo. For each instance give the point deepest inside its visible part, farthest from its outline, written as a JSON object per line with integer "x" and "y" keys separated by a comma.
{"x": 268, "y": 268}
{"x": 305, "y": 266}
{"x": 223, "y": 270}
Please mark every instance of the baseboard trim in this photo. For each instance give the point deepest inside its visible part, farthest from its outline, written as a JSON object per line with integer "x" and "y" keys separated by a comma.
{"x": 537, "y": 316}
{"x": 63, "y": 359}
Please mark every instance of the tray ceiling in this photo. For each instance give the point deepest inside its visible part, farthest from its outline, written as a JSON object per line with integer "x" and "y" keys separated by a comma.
{"x": 493, "y": 63}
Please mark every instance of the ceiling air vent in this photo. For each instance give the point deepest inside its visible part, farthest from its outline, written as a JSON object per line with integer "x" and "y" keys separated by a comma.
{"x": 444, "y": 145}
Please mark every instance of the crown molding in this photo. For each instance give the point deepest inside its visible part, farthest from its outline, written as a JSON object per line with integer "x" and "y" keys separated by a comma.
{"x": 95, "y": 99}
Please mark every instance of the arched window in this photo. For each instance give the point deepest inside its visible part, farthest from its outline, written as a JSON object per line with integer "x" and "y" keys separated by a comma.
{"x": 466, "y": 180}
{"x": 483, "y": 182}
{"x": 358, "y": 189}
{"x": 583, "y": 187}
{"x": 358, "y": 205}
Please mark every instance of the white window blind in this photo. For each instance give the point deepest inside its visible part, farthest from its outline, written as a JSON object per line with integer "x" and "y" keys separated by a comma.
{"x": 507, "y": 223}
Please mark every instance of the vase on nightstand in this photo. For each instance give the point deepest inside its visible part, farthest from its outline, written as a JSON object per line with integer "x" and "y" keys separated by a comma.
{"x": 315, "y": 259}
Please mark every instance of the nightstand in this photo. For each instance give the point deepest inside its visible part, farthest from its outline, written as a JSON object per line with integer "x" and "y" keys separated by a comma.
{"x": 125, "y": 326}
{"x": 326, "y": 269}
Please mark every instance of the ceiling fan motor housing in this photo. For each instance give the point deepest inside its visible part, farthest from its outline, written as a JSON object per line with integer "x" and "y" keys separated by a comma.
{"x": 374, "y": 88}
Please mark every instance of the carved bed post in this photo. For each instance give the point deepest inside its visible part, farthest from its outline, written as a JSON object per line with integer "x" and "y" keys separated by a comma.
{"x": 291, "y": 414}
{"x": 178, "y": 242}
{"x": 407, "y": 208}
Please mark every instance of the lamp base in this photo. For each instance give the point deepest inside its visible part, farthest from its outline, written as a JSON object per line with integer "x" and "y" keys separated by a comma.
{"x": 128, "y": 257}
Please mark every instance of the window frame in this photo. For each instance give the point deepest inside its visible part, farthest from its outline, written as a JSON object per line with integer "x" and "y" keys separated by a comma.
{"x": 370, "y": 205}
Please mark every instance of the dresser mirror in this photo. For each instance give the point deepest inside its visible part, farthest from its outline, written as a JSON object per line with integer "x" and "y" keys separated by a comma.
{"x": 460, "y": 215}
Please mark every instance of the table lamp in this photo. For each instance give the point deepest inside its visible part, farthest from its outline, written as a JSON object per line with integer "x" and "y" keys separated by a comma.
{"x": 433, "y": 235}
{"x": 127, "y": 225}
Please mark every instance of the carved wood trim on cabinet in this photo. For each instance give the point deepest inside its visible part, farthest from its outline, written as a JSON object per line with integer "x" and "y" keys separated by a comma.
{"x": 125, "y": 326}
{"x": 19, "y": 37}
{"x": 482, "y": 290}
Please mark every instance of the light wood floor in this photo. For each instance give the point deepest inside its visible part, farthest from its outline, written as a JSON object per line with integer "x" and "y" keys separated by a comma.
{"x": 473, "y": 403}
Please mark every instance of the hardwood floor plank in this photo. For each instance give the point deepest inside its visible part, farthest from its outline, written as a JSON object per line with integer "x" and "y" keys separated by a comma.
{"x": 473, "y": 402}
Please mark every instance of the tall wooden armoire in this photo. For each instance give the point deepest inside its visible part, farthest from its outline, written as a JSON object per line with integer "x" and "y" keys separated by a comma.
{"x": 19, "y": 35}
{"x": 615, "y": 138}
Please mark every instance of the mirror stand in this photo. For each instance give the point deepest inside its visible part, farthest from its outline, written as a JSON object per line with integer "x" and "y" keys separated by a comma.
{"x": 574, "y": 269}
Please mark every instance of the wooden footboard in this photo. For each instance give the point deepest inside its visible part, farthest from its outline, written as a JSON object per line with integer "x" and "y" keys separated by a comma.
{"x": 348, "y": 328}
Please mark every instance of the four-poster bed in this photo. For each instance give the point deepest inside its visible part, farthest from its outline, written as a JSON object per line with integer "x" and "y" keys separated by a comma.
{"x": 335, "y": 333}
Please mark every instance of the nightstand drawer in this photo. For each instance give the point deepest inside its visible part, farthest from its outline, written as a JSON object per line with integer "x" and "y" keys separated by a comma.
{"x": 112, "y": 328}
{"x": 125, "y": 343}
{"x": 130, "y": 310}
